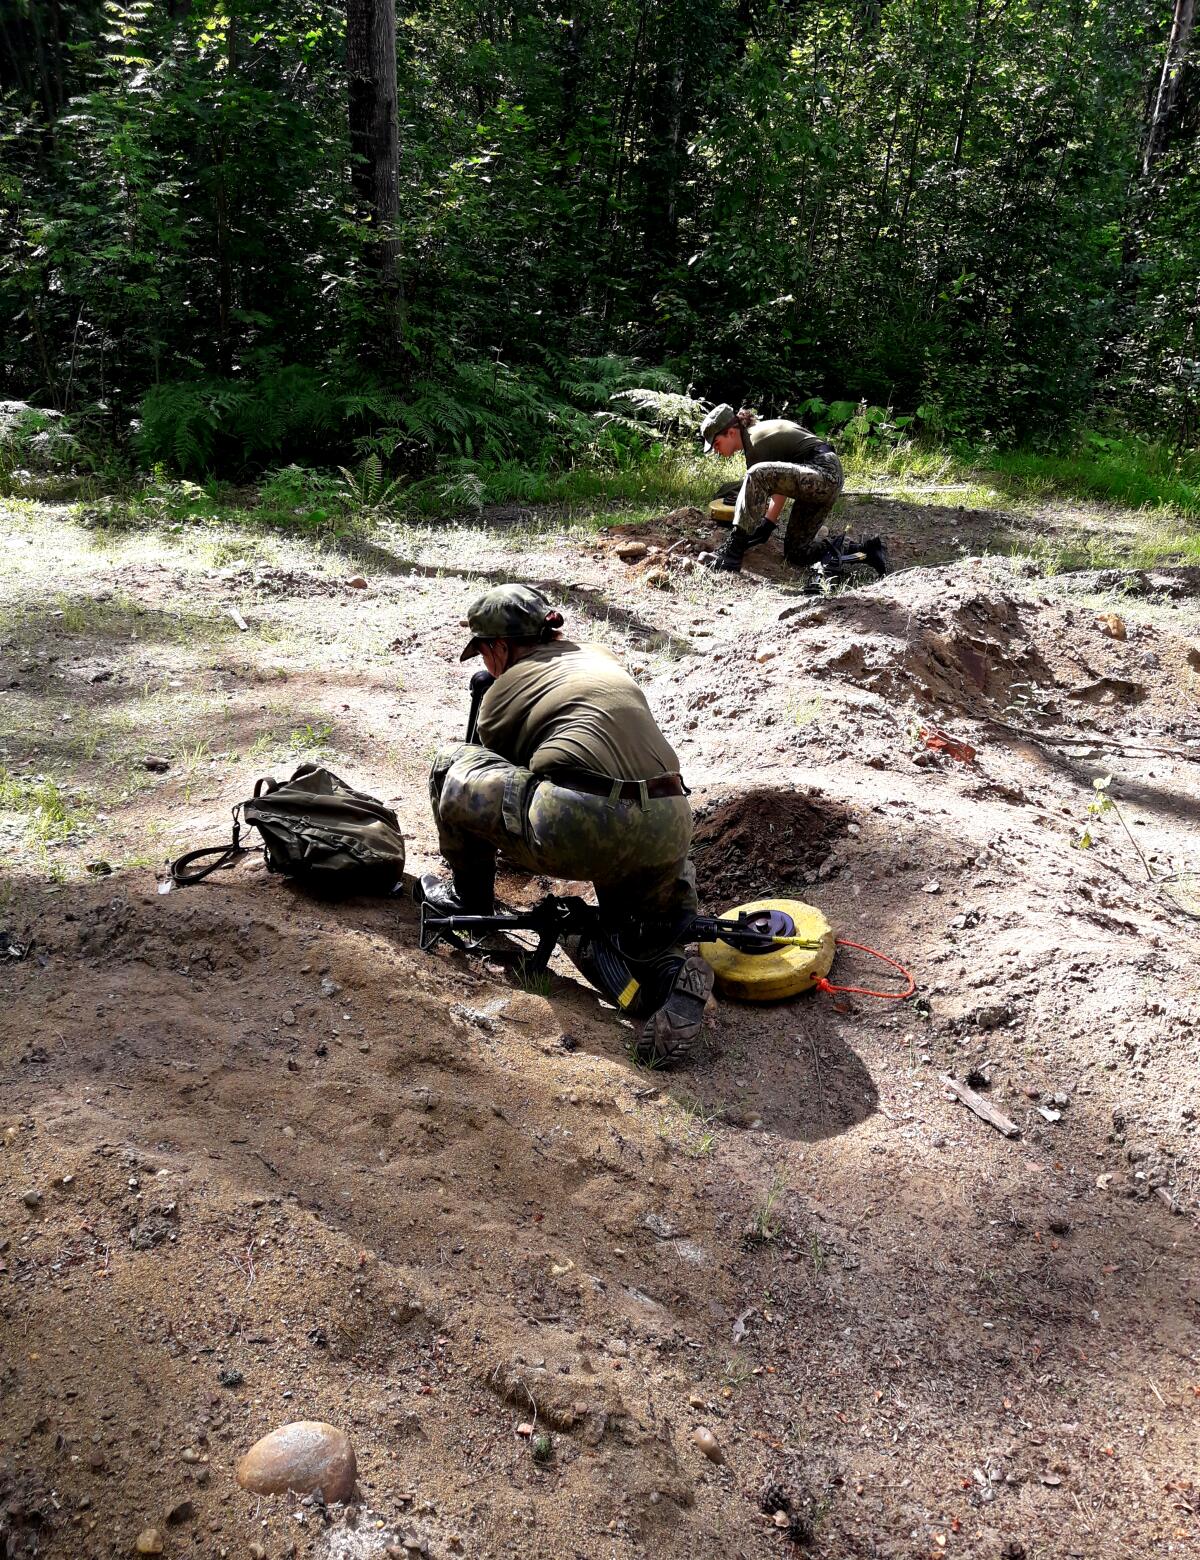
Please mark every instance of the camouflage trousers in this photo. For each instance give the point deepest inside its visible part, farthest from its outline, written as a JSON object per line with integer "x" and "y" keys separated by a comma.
{"x": 635, "y": 855}
{"x": 812, "y": 486}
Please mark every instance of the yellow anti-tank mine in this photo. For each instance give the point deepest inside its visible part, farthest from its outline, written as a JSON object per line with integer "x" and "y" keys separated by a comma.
{"x": 802, "y": 954}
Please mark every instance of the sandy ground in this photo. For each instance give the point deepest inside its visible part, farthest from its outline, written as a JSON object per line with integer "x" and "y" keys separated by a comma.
{"x": 263, "y": 1160}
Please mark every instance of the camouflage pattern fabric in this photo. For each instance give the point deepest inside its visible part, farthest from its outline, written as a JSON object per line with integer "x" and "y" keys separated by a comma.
{"x": 813, "y": 486}
{"x": 636, "y": 856}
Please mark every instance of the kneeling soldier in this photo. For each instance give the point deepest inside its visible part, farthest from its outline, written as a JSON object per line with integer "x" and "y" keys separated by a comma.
{"x": 783, "y": 460}
{"x": 571, "y": 777}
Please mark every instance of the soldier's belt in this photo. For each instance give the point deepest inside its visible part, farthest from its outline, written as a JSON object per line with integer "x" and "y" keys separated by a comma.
{"x": 618, "y": 790}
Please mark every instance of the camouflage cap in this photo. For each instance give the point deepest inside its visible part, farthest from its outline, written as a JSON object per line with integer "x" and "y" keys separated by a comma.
{"x": 720, "y": 418}
{"x": 508, "y": 612}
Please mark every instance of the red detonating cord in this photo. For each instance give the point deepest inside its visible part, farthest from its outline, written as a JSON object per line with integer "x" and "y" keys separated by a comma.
{"x": 822, "y": 984}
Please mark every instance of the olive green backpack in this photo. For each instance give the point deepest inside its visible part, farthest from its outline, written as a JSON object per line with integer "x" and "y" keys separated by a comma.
{"x": 314, "y": 828}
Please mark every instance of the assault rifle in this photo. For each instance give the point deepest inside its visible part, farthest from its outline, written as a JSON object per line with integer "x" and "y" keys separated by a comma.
{"x": 606, "y": 953}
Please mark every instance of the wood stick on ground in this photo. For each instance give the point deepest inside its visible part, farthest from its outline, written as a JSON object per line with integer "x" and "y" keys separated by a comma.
{"x": 1098, "y": 740}
{"x": 977, "y": 1103}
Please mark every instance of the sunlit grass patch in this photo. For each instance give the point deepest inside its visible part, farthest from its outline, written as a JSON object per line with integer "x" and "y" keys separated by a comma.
{"x": 1129, "y": 472}
{"x": 49, "y": 813}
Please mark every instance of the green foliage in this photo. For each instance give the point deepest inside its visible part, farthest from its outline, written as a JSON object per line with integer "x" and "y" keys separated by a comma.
{"x": 947, "y": 208}
{"x": 366, "y": 491}
{"x": 34, "y": 440}
{"x": 1136, "y": 472}
{"x": 1102, "y": 804}
{"x": 311, "y": 739}
{"x": 50, "y": 816}
{"x": 487, "y": 412}
{"x": 196, "y": 425}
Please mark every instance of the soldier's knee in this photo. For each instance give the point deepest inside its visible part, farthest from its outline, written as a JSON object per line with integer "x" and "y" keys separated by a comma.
{"x": 446, "y": 758}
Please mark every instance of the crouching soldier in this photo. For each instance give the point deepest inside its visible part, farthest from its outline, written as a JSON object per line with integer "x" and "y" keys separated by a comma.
{"x": 783, "y": 460}
{"x": 571, "y": 777}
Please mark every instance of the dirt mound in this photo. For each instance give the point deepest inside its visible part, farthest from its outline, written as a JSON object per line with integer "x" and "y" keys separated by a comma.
{"x": 760, "y": 842}
{"x": 683, "y": 531}
{"x": 971, "y": 642}
{"x": 969, "y": 655}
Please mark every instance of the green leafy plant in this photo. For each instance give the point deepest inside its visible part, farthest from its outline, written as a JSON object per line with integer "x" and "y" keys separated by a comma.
{"x": 367, "y": 491}
{"x": 1102, "y": 804}
{"x": 34, "y": 437}
{"x": 311, "y": 738}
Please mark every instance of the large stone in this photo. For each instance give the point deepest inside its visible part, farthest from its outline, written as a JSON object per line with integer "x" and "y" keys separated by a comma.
{"x": 303, "y": 1457}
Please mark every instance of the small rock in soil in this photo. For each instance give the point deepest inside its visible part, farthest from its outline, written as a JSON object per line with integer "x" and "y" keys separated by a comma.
{"x": 156, "y": 764}
{"x": 305, "y": 1456}
{"x": 149, "y": 1542}
{"x": 32, "y": 1198}
{"x": 708, "y": 1444}
{"x": 230, "y": 1378}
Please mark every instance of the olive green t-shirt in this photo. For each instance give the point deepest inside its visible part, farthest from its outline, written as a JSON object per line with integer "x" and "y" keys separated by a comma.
{"x": 570, "y": 706}
{"x": 779, "y": 439}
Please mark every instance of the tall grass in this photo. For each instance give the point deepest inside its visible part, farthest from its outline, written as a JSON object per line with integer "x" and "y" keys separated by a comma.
{"x": 1117, "y": 471}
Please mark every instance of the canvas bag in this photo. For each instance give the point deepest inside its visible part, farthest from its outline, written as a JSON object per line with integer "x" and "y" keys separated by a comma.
{"x": 314, "y": 827}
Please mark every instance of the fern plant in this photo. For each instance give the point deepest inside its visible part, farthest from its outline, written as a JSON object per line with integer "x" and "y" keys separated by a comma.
{"x": 367, "y": 490}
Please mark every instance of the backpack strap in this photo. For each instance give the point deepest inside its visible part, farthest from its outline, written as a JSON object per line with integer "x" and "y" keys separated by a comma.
{"x": 227, "y": 856}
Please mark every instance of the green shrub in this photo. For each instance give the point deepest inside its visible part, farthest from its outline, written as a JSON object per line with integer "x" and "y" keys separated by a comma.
{"x": 550, "y": 414}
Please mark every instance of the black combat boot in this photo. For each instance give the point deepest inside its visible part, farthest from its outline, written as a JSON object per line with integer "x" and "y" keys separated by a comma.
{"x": 670, "y": 1034}
{"x": 729, "y": 559}
{"x": 471, "y": 892}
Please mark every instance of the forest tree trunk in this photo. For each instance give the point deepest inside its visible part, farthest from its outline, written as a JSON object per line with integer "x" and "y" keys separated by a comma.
{"x": 375, "y": 141}
{"x": 1168, "y": 82}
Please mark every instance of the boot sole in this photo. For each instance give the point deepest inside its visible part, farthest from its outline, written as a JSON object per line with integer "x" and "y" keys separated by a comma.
{"x": 670, "y": 1035}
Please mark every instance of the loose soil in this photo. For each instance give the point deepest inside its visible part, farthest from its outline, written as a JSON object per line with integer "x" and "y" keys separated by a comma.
{"x": 263, "y": 1160}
